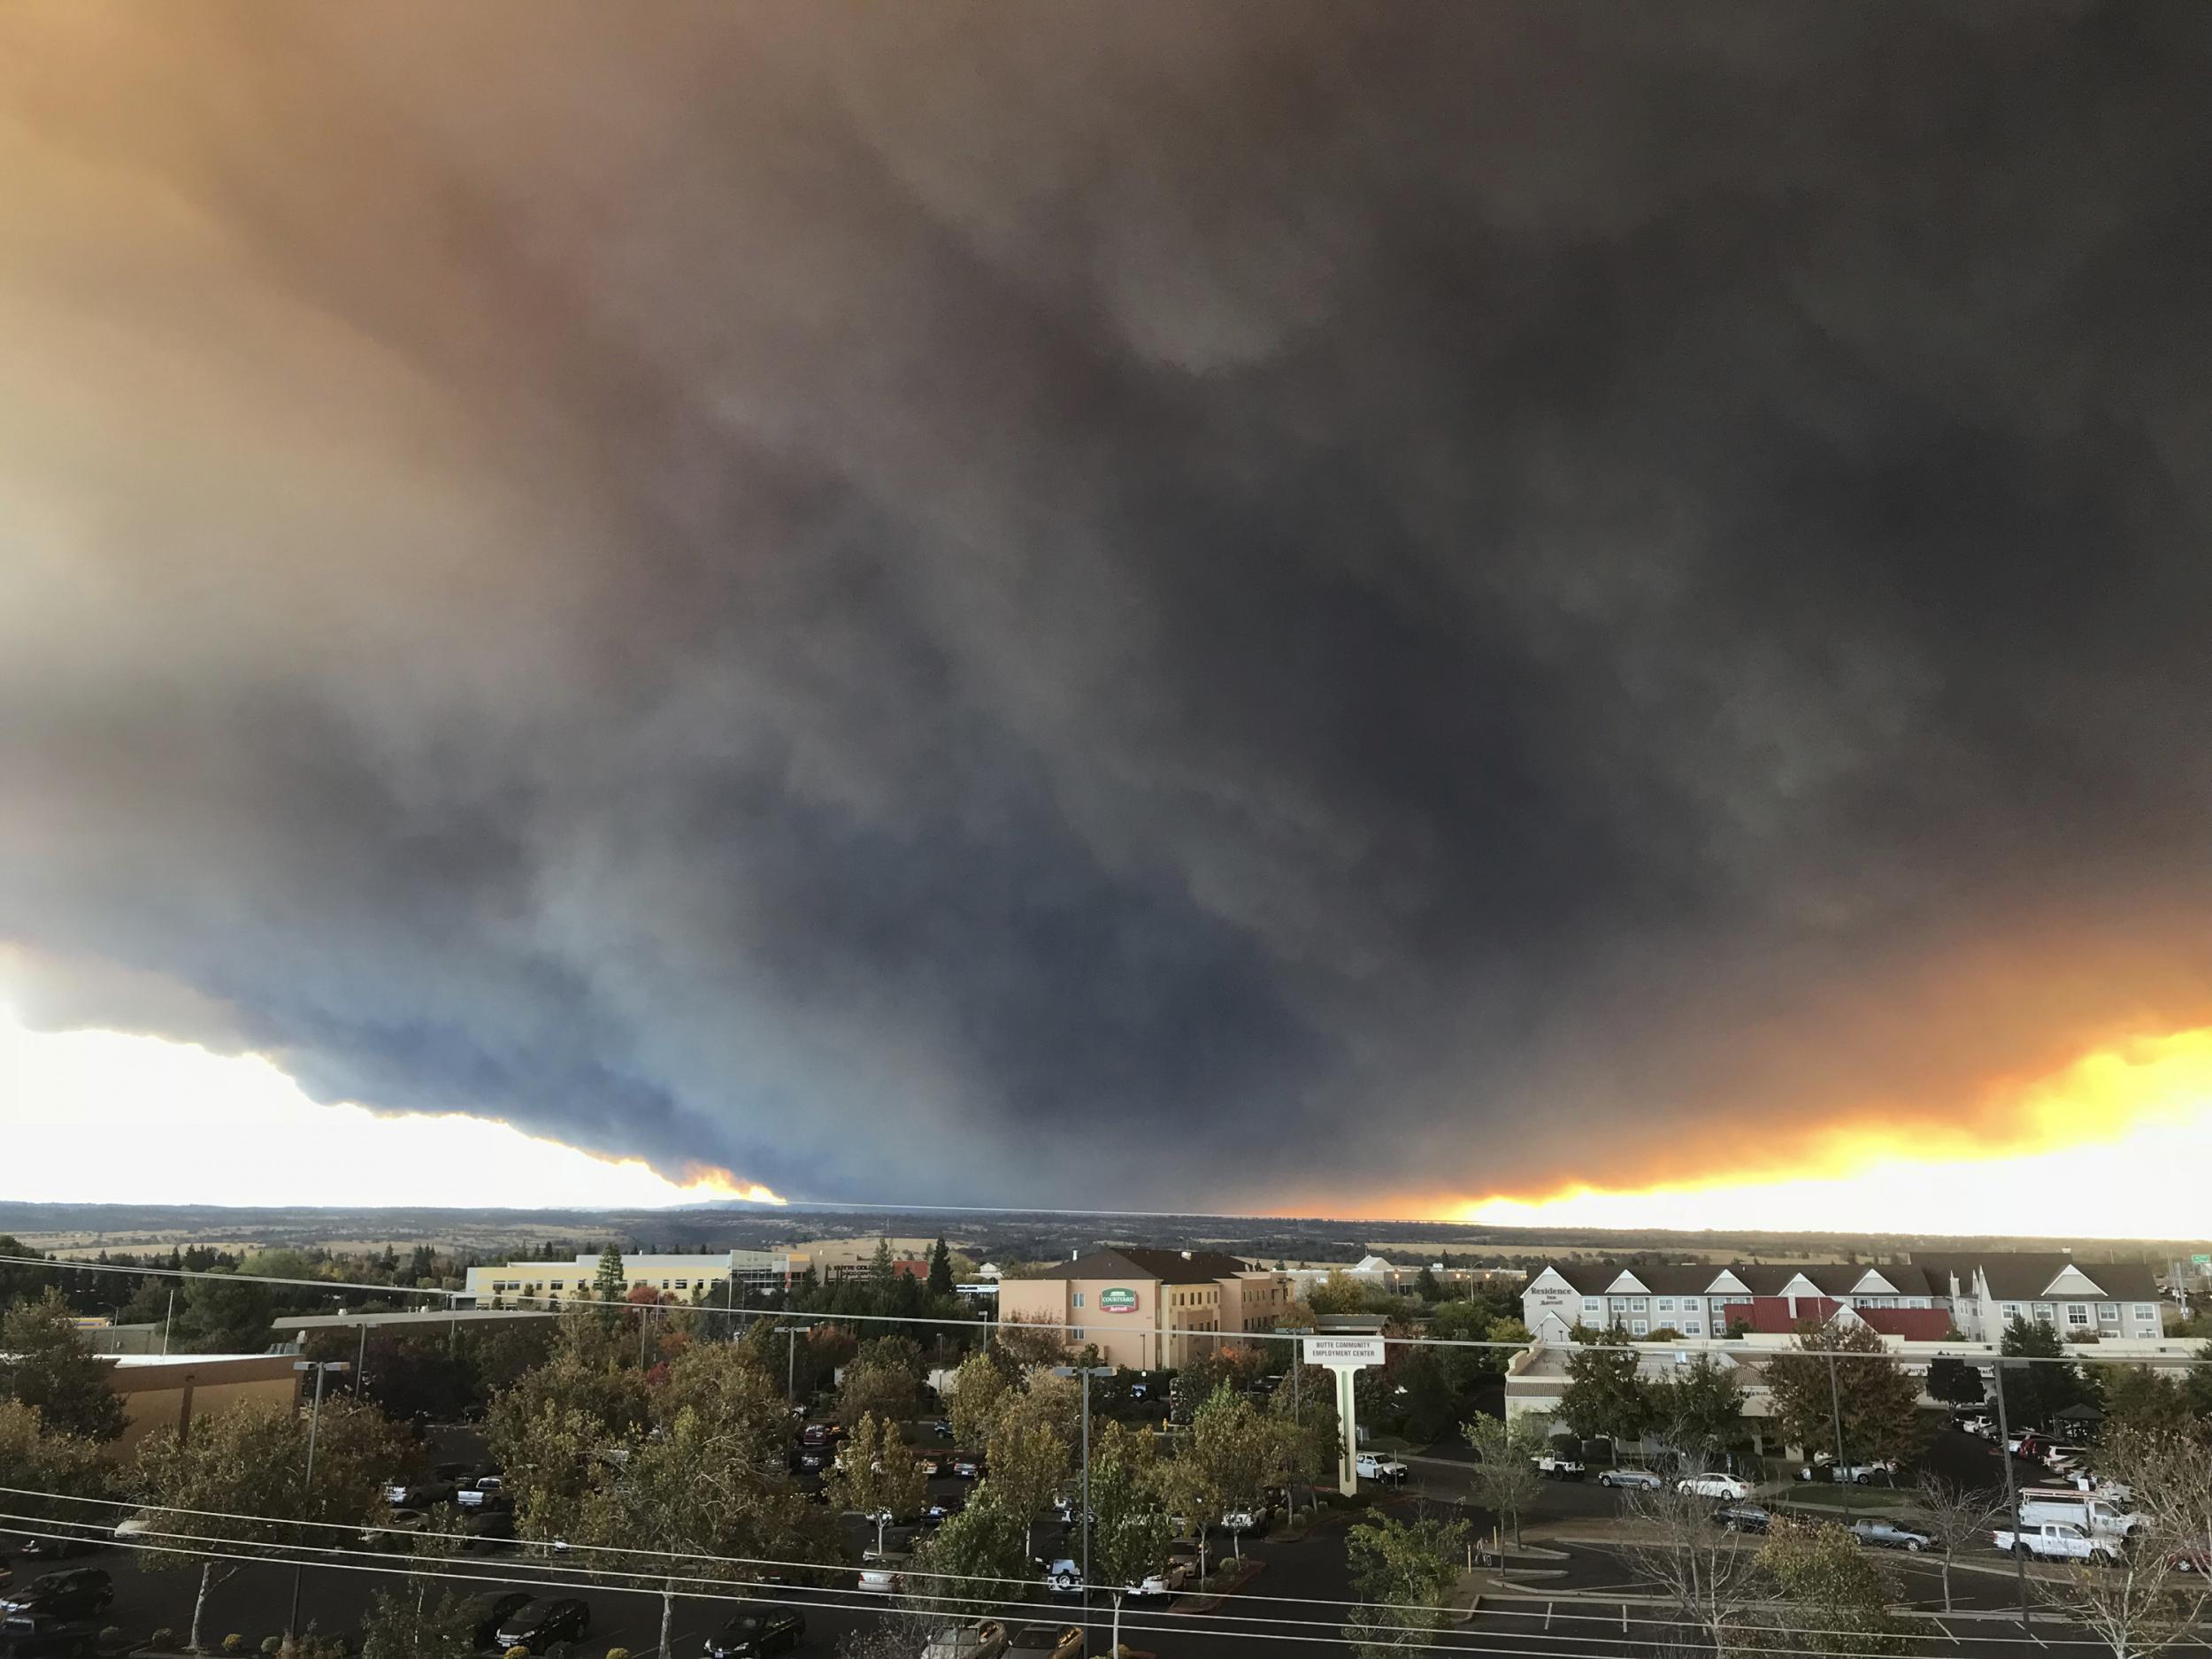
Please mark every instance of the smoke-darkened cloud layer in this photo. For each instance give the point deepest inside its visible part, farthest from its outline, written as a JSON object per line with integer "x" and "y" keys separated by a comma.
{"x": 1242, "y": 604}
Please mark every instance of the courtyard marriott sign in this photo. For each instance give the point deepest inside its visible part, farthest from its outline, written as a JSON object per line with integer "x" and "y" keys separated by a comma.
{"x": 1118, "y": 1301}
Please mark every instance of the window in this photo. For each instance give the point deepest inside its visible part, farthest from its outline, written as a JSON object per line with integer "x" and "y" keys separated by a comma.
{"x": 683, "y": 1284}
{"x": 1077, "y": 1333}
{"x": 1591, "y": 1304}
{"x": 2012, "y": 1311}
{"x": 2077, "y": 1315}
{"x": 1637, "y": 1327}
{"x": 1666, "y": 1304}
{"x": 1690, "y": 1304}
{"x": 1693, "y": 1327}
{"x": 1079, "y": 1298}
{"x": 1636, "y": 1305}
{"x": 2144, "y": 1314}
{"x": 2107, "y": 1313}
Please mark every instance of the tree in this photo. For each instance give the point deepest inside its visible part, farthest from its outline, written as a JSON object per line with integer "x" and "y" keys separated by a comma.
{"x": 37, "y": 1459}
{"x": 1307, "y": 1433}
{"x": 46, "y": 1363}
{"x": 2036, "y": 1393}
{"x": 1835, "y": 1597}
{"x": 876, "y": 1476}
{"x": 2138, "y": 1399}
{"x": 977, "y": 1388}
{"x": 1030, "y": 1343}
{"x": 1504, "y": 1477}
{"x": 1879, "y": 1404}
{"x": 1426, "y": 1288}
{"x": 226, "y": 1315}
{"x": 610, "y": 1284}
{"x": 1604, "y": 1395}
{"x": 1699, "y": 1411}
{"x": 2152, "y": 1598}
{"x": 1955, "y": 1382}
{"x": 941, "y": 1271}
{"x": 1957, "y": 1516}
{"x": 1223, "y": 1466}
{"x": 410, "y": 1623}
{"x": 1695, "y": 1568}
{"x": 1402, "y": 1571}
{"x": 1129, "y": 1530}
{"x": 250, "y": 1462}
{"x": 1029, "y": 1454}
{"x": 973, "y": 1564}
{"x": 877, "y": 1387}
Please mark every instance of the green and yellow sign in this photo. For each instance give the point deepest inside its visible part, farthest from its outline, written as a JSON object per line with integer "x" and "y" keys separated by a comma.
{"x": 1118, "y": 1301}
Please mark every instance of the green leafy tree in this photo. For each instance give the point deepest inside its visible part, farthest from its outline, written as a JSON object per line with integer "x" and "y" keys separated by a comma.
{"x": 978, "y": 1386}
{"x": 2138, "y": 1400}
{"x": 1955, "y": 1382}
{"x": 413, "y": 1623}
{"x": 1029, "y": 1344}
{"x": 1129, "y": 1530}
{"x": 1402, "y": 1573}
{"x": 1307, "y": 1429}
{"x": 1428, "y": 1287}
{"x": 973, "y": 1564}
{"x": 1604, "y": 1395}
{"x": 2036, "y": 1393}
{"x": 58, "y": 1465}
{"x": 250, "y": 1462}
{"x": 1834, "y": 1596}
{"x": 45, "y": 1362}
{"x": 941, "y": 1271}
{"x": 876, "y": 1475}
{"x": 1879, "y": 1404}
{"x": 2198, "y": 1389}
{"x": 1030, "y": 1453}
{"x": 1699, "y": 1409}
{"x": 225, "y": 1315}
{"x": 1504, "y": 1476}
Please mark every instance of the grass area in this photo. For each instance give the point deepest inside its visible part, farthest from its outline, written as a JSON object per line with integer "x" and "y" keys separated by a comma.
{"x": 1806, "y": 1494}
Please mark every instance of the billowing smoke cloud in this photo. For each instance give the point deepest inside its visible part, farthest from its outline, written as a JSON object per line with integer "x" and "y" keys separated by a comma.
{"x": 1131, "y": 603}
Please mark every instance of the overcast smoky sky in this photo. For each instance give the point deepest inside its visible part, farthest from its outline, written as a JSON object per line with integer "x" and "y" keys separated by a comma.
{"x": 1251, "y": 604}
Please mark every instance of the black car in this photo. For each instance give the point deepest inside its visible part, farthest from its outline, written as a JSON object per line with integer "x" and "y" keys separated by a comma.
{"x": 1743, "y": 1517}
{"x": 36, "y": 1548}
{"x": 75, "y": 1593}
{"x": 488, "y": 1612}
{"x": 766, "y": 1631}
{"x": 39, "y": 1636}
{"x": 538, "y": 1624}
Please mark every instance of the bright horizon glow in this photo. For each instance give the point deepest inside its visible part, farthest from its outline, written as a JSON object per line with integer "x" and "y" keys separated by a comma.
{"x": 2114, "y": 1146}
{"x": 103, "y": 1117}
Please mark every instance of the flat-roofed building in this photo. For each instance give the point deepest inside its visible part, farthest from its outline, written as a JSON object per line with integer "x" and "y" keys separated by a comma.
{"x": 686, "y": 1277}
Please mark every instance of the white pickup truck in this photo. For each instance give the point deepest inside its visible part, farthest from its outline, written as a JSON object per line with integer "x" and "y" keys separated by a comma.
{"x": 1557, "y": 1468}
{"x": 2056, "y": 1541}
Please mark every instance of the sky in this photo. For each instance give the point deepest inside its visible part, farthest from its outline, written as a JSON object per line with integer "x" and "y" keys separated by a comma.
{"x": 1258, "y": 608}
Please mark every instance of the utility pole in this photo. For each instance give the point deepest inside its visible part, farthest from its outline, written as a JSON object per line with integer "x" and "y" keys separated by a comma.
{"x": 168, "y": 1319}
{"x": 361, "y": 1360}
{"x": 1086, "y": 1504}
{"x": 2012, "y": 1500}
{"x": 307, "y": 1481}
{"x": 1835, "y": 1410}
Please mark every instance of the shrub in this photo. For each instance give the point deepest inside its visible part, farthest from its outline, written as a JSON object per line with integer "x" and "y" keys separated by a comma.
{"x": 112, "y": 1637}
{"x": 234, "y": 1643}
{"x": 617, "y": 1652}
{"x": 518, "y": 1652}
{"x": 163, "y": 1639}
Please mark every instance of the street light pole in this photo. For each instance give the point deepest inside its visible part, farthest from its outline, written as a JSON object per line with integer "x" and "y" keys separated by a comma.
{"x": 1835, "y": 1407}
{"x": 321, "y": 1368}
{"x": 2012, "y": 1500}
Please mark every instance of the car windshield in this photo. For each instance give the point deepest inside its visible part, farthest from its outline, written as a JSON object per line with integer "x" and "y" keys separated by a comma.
{"x": 749, "y": 1625}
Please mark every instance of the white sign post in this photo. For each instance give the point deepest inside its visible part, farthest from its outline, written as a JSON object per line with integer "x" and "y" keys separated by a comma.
{"x": 1345, "y": 1356}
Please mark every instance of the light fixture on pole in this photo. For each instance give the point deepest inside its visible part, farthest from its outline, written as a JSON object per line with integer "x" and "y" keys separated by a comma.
{"x": 321, "y": 1368}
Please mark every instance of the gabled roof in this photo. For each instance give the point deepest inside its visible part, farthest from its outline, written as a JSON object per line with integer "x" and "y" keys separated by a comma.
{"x": 1168, "y": 1267}
{"x": 2029, "y": 1275}
{"x": 1778, "y": 1315}
{"x": 1915, "y": 1324}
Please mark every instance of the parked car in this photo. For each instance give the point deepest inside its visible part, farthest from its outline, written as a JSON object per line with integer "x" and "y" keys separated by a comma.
{"x": 419, "y": 1495}
{"x": 985, "y": 1640}
{"x": 1888, "y": 1535}
{"x": 941, "y": 1428}
{"x": 968, "y": 1465}
{"x": 880, "y": 1571}
{"x": 489, "y": 1611}
{"x": 1063, "y": 1577}
{"x": 72, "y": 1593}
{"x": 1378, "y": 1466}
{"x": 1634, "y": 1479}
{"x": 2056, "y": 1541}
{"x": 1048, "y": 1641}
{"x": 1743, "y": 1517}
{"x": 934, "y": 1464}
{"x": 477, "y": 1493}
{"x": 1248, "y": 1521}
{"x": 487, "y": 1529}
{"x": 821, "y": 1434}
{"x": 1881, "y": 1472}
{"x": 538, "y": 1624}
{"x": 937, "y": 1511}
{"x": 758, "y": 1631}
{"x": 1980, "y": 1427}
{"x": 1162, "y": 1582}
{"x": 1553, "y": 1467}
{"x": 44, "y": 1546}
{"x": 1732, "y": 1487}
{"x": 42, "y": 1636}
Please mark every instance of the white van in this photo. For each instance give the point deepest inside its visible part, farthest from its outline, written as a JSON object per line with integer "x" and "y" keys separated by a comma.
{"x": 2057, "y": 1506}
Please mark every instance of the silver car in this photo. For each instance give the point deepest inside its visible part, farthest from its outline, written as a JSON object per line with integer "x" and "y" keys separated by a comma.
{"x": 1634, "y": 1479}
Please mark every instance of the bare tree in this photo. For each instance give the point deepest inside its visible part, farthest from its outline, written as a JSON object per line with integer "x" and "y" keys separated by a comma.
{"x": 1955, "y": 1514}
{"x": 2156, "y": 1595}
{"x": 1700, "y": 1569}
{"x": 1504, "y": 1477}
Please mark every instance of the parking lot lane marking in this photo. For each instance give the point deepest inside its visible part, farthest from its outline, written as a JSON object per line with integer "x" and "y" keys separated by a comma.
{"x": 1547, "y": 1607}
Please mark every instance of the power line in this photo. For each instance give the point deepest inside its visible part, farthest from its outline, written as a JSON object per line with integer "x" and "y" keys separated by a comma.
{"x": 656, "y": 1577}
{"x": 557, "y": 1309}
{"x": 886, "y": 1606}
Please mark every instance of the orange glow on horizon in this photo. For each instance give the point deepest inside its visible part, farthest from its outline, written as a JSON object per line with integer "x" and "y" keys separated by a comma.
{"x": 2112, "y": 1146}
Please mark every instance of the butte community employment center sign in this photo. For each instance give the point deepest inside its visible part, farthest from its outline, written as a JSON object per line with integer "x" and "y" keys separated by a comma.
{"x": 1345, "y": 1356}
